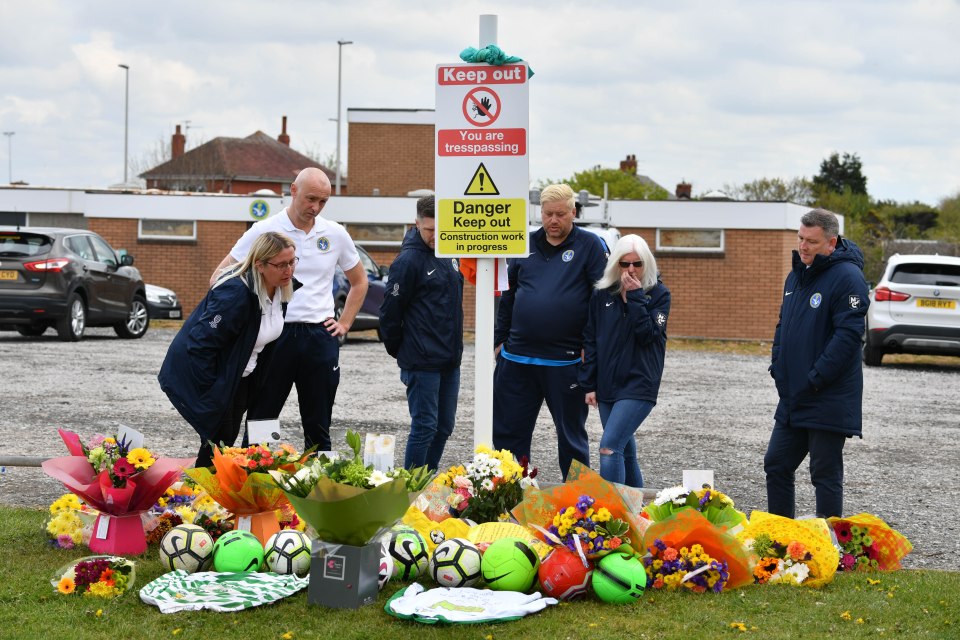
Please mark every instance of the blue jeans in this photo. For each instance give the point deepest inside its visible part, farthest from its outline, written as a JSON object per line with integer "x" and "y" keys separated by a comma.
{"x": 620, "y": 421}
{"x": 787, "y": 448}
{"x": 432, "y": 398}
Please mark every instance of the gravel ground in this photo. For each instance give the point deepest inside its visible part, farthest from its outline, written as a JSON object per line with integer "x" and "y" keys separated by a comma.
{"x": 715, "y": 412}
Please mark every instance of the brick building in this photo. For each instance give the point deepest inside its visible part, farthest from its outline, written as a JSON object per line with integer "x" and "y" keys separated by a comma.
{"x": 392, "y": 150}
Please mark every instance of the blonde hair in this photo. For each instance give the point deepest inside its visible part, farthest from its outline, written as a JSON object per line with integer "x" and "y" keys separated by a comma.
{"x": 267, "y": 246}
{"x": 559, "y": 193}
{"x": 629, "y": 243}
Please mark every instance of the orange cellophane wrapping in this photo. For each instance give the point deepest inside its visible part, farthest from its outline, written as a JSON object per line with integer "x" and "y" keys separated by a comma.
{"x": 814, "y": 533}
{"x": 237, "y": 490}
{"x": 892, "y": 544}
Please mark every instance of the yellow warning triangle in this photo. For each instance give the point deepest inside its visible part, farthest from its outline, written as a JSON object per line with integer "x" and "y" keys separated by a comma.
{"x": 481, "y": 184}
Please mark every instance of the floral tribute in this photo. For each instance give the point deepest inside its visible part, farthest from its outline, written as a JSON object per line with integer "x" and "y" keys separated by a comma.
{"x": 685, "y": 568}
{"x": 868, "y": 544}
{"x": 488, "y": 487}
{"x": 584, "y": 529}
{"x": 716, "y": 506}
{"x": 346, "y": 501}
{"x": 790, "y": 551}
{"x": 118, "y": 481}
{"x": 96, "y": 576}
{"x": 70, "y": 523}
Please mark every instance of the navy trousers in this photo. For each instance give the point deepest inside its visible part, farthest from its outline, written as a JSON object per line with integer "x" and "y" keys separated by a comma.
{"x": 787, "y": 448}
{"x": 307, "y": 356}
{"x": 519, "y": 391}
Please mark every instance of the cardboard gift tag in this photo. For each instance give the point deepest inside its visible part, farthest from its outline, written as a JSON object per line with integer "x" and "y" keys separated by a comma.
{"x": 378, "y": 451}
{"x": 694, "y": 480}
{"x": 132, "y": 437}
{"x": 266, "y": 432}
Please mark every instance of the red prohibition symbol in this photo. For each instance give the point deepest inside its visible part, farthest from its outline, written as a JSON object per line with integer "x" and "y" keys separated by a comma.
{"x": 481, "y": 107}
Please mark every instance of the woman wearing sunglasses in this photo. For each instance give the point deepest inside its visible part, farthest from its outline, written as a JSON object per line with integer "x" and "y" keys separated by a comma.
{"x": 624, "y": 343}
{"x": 210, "y": 369}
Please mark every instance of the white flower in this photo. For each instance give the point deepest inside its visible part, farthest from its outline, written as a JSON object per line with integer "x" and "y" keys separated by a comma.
{"x": 528, "y": 482}
{"x": 378, "y": 478}
{"x": 677, "y": 495}
{"x": 487, "y": 484}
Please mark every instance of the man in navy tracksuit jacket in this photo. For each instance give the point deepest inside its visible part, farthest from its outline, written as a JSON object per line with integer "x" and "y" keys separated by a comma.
{"x": 816, "y": 366}
{"x": 421, "y": 324}
{"x": 539, "y": 334}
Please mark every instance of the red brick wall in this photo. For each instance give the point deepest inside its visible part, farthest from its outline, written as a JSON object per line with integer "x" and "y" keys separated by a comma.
{"x": 184, "y": 267}
{"x": 395, "y": 159}
{"x": 736, "y": 295}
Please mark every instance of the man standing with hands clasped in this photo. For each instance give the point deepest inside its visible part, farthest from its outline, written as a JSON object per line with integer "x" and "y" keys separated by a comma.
{"x": 307, "y": 353}
{"x": 421, "y": 325}
{"x": 816, "y": 366}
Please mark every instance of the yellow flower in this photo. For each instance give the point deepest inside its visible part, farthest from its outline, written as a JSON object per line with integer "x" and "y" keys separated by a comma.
{"x": 140, "y": 458}
{"x": 603, "y": 515}
{"x": 739, "y": 626}
{"x": 176, "y": 632}
{"x": 859, "y": 620}
{"x": 66, "y": 585}
{"x": 845, "y": 615}
{"x": 287, "y": 636}
{"x": 99, "y": 613}
{"x": 872, "y": 582}
{"x": 101, "y": 590}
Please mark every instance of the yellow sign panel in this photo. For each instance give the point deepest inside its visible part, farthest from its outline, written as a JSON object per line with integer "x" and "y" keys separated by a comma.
{"x": 480, "y": 228}
{"x": 481, "y": 184}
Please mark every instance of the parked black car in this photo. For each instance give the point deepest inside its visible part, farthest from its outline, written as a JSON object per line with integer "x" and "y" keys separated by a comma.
{"x": 162, "y": 304}
{"x": 369, "y": 315}
{"x": 68, "y": 279}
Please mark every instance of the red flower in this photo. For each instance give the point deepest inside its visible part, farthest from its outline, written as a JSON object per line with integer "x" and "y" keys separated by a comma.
{"x": 842, "y": 529}
{"x": 123, "y": 469}
{"x": 872, "y": 552}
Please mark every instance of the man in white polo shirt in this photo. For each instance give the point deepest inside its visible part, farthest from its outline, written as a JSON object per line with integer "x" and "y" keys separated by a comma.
{"x": 307, "y": 353}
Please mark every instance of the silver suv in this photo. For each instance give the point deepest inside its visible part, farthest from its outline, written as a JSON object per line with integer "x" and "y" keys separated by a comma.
{"x": 915, "y": 308}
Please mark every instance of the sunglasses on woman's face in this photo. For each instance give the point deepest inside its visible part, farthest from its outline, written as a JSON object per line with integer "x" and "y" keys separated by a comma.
{"x": 625, "y": 265}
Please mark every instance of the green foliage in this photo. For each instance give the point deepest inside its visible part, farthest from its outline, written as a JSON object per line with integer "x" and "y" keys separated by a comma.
{"x": 902, "y": 604}
{"x": 621, "y": 185}
{"x": 840, "y": 174}
{"x": 796, "y": 190}
{"x": 948, "y": 227}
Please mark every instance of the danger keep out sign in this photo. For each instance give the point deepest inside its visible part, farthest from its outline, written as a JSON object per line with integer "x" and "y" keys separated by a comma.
{"x": 482, "y": 166}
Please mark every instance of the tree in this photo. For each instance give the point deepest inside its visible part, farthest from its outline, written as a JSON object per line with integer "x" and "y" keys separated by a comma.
{"x": 621, "y": 185}
{"x": 796, "y": 190}
{"x": 837, "y": 175}
{"x": 948, "y": 227}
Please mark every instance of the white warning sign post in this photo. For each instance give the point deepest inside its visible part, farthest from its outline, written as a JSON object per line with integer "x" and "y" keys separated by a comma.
{"x": 482, "y": 162}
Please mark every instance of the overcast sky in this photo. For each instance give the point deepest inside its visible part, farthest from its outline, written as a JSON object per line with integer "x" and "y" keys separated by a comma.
{"x": 713, "y": 93}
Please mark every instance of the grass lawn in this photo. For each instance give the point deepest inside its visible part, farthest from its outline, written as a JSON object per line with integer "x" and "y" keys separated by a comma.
{"x": 903, "y": 604}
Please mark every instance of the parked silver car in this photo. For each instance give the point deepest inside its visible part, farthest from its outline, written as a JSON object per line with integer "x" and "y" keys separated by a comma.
{"x": 915, "y": 308}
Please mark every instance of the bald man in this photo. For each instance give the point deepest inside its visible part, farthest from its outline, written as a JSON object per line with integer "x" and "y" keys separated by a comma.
{"x": 307, "y": 354}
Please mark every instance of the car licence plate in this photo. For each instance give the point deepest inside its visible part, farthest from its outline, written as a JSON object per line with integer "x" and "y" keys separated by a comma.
{"x": 929, "y": 303}
{"x": 174, "y": 314}
{"x": 8, "y": 275}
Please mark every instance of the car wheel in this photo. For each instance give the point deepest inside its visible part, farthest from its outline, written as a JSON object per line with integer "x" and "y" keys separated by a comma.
{"x": 31, "y": 331}
{"x": 337, "y": 312}
{"x": 70, "y": 327}
{"x": 871, "y": 355}
{"x": 136, "y": 323}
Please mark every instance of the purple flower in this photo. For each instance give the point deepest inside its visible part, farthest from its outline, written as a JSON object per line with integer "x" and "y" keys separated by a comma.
{"x": 706, "y": 498}
{"x": 584, "y": 503}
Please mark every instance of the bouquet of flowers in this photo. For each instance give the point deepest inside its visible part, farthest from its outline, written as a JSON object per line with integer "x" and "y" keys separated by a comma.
{"x": 689, "y": 567}
{"x": 96, "y": 576}
{"x": 790, "y": 551}
{"x": 869, "y": 544}
{"x": 486, "y": 489}
{"x": 587, "y": 531}
{"x": 119, "y": 482}
{"x": 240, "y": 483}
{"x": 346, "y": 501}
{"x": 585, "y": 510}
{"x": 717, "y": 507}
{"x": 70, "y": 523}
{"x": 714, "y": 559}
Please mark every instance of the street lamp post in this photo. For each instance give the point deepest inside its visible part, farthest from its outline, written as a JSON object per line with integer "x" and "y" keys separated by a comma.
{"x": 9, "y": 135}
{"x": 340, "y": 44}
{"x": 126, "y": 118}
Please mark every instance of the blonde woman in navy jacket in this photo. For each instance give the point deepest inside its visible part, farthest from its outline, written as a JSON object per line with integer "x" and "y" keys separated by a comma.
{"x": 624, "y": 344}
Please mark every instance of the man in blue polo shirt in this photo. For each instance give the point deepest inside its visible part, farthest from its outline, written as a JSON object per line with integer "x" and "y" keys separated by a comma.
{"x": 539, "y": 334}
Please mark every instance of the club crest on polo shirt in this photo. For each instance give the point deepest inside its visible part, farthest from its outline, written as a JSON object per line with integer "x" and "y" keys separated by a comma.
{"x": 323, "y": 244}
{"x": 567, "y": 255}
{"x": 815, "y": 300}
{"x": 854, "y": 301}
{"x": 216, "y": 321}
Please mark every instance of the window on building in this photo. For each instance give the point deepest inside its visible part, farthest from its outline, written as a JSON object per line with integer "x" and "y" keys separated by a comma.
{"x": 167, "y": 230}
{"x": 13, "y": 218}
{"x": 699, "y": 240}
{"x": 377, "y": 234}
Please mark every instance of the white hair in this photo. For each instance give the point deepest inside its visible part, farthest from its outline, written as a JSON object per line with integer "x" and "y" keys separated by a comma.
{"x": 629, "y": 243}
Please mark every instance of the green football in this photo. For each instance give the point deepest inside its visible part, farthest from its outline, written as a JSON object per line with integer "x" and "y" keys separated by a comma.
{"x": 510, "y": 564}
{"x": 237, "y": 551}
{"x": 619, "y": 579}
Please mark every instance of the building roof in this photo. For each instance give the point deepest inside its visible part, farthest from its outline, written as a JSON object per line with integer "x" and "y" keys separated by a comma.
{"x": 256, "y": 157}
